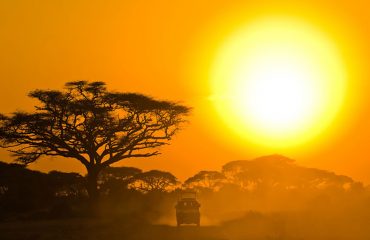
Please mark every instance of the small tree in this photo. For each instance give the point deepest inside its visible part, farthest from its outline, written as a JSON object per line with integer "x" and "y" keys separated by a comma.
{"x": 115, "y": 179}
{"x": 92, "y": 125}
{"x": 153, "y": 181}
{"x": 67, "y": 184}
{"x": 206, "y": 179}
{"x": 118, "y": 173}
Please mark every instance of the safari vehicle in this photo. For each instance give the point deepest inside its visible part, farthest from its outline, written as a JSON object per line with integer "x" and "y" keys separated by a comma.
{"x": 187, "y": 209}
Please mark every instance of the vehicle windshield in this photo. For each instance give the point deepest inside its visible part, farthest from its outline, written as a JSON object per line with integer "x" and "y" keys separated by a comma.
{"x": 188, "y": 204}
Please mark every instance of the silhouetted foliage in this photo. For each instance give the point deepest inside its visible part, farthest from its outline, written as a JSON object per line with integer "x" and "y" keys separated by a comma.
{"x": 67, "y": 184}
{"x": 154, "y": 180}
{"x": 254, "y": 198}
{"x": 92, "y": 125}
{"x": 24, "y": 189}
{"x": 116, "y": 179}
{"x": 279, "y": 172}
{"x": 212, "y": 180}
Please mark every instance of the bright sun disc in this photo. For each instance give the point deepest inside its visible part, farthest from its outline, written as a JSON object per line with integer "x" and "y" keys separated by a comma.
{"x": 278, "y": 82}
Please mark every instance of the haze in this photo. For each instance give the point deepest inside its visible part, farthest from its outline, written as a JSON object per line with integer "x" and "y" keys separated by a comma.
{"x": 166, "y": 49}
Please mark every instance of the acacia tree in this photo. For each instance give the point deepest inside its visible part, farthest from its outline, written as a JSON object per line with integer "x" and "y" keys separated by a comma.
{"x": 153, "y": 181}
{"x": 115, "y": 179}
{"x": 206, "y": 179}
{"x": 92, "y": 125}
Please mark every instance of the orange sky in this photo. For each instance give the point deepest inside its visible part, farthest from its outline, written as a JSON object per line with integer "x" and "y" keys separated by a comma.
{"x": 165, "y": 49}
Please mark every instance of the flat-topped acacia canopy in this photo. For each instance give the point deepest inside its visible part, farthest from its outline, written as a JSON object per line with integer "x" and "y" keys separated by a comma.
{"x": 88, "y": 123}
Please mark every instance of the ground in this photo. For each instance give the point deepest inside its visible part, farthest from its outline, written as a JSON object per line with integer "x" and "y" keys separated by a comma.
{"x": 79, "y": 229}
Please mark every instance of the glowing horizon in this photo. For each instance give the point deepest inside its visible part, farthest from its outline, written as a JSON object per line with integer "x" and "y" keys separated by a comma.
{"x": 169, "y": 50}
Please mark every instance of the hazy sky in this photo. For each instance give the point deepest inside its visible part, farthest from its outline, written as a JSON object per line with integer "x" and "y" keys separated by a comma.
{"x": 165, "y": 49}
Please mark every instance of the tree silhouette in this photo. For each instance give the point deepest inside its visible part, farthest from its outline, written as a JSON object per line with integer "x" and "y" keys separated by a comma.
{"x": 67, "y": 184}
{"x": 153, "y": 181}
{"x": 206, "y": 179}
{"x": 23, "y": 189}
{"x": 92, "y": 125}
{"x": 281, "y": 173}
{"x": 116, "y": 179}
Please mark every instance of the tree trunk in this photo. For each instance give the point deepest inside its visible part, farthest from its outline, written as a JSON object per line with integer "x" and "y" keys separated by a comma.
{"x": 92, "y": 183}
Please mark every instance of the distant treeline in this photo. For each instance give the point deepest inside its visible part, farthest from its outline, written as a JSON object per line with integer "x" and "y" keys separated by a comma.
{"x": 271, "y": 183}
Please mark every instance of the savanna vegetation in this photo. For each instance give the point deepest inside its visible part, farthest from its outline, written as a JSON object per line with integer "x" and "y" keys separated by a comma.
{"x": 92, "y": 125}
{"x": 270, "y": 197}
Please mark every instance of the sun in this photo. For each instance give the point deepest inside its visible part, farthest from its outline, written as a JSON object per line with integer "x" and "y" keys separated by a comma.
{"x": 278, "y": 82}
